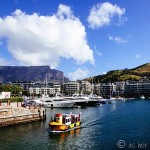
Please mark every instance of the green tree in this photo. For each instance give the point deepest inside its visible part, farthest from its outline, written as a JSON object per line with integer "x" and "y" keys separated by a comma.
{"x": 14, "y": 89}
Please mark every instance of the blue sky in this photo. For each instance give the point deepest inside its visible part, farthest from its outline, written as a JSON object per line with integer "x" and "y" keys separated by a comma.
{"x": 80, "y": 38}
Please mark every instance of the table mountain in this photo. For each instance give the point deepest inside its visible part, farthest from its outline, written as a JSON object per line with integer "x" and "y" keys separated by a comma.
{"x": 30, "y": 73}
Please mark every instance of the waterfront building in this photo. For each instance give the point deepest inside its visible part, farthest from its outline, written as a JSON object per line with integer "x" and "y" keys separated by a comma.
{"x": 42, "y": 89}
{"x": 119, "y": 89}
{"x": 25, "y": 85}
{"x": 129, "y": 88}
{"x": 97, "y": 89}
{"x": 71, "y": 87}
{"x": 107, "y": 90}
{"x": 85, "y": 87}
{"x": 137, "y": 88}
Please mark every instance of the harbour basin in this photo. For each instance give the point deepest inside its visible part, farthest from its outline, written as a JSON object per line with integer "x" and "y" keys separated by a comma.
{"x": 103, "y": 127}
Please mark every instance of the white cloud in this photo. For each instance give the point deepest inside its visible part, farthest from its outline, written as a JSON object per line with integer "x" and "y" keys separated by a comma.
{"x": 104, "y": 72}
{"x": 78, "y": 74}
{"x": 64, "y": 12}
{"x": 4, "y": 62}
{"x": 118, "y": 40}
{"x": 103, "y": 13}
{"x": 44, "y": 40}
{"x": 98, "y": 53}
{"x": 138, "y": 56}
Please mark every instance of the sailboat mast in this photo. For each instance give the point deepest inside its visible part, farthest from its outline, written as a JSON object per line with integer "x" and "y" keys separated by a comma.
{"x": 54, "y": 81}
{"x": 110, "y": 89}
{"x": 46, "y": 84}
{"x": 63, "y": 86}
{"x": 92, "y": 86}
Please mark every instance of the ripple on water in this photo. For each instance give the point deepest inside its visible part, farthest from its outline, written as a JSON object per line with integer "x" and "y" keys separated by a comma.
{"x": 102, "y": 128}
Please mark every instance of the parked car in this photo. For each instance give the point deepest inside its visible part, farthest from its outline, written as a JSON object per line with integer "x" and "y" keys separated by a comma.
{"x": 32, "y": 103}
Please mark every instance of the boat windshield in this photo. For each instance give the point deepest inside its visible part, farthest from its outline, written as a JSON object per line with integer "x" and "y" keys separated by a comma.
{"x": 56, "y": 100}
{"x": 59, "y": 100}
{"x": 48, "y": 101}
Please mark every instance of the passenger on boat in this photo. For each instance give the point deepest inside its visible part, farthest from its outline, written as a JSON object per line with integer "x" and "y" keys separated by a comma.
{"x": 73, "y": 120}
{"x": 51, "y": 120}
{"x": 58, "y": 120}
{"x": 54, "y": 119}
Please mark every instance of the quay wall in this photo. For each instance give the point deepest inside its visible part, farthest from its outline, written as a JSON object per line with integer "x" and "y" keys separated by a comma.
{"x": 14, "y": 113}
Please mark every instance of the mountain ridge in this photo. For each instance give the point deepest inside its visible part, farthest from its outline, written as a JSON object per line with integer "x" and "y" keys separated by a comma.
{"x": 123, "y": 75}
{"x": 30, "y": 73}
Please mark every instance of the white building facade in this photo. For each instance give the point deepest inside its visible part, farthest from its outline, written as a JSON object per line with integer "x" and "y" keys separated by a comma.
{"x": 71, "y": 87}
{"x": 86, "y": 87}
{"x": 52, "y": 90}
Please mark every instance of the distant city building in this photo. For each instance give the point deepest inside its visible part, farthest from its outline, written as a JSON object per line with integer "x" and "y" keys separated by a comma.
{"x": 42, "y": 89}
{"x": 119, "y": 90}
{"x": 137, "y": 88}
{"x": 107, "y": 89}
{"x": 71, "y": 87}
{"x": 24, "y": 84}
{"x": 97, "y": 89}
{"x": 85, "y": 87}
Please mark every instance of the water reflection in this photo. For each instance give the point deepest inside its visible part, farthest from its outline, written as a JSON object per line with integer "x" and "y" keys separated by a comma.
{"x": 63, "y": 135}
{"x": 62, "y": 138}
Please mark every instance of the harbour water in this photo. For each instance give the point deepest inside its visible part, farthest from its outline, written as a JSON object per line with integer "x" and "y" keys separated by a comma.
{"x": 123, "y": 124}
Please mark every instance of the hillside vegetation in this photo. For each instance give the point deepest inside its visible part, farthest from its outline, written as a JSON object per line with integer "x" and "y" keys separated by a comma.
{"x": 123, "y": 75}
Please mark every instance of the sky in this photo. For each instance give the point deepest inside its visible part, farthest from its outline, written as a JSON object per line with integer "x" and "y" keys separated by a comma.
{"x": 81, "y": 38}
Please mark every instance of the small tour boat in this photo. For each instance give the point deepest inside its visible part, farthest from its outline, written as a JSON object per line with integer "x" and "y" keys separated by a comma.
{"x": 65, "y": 122}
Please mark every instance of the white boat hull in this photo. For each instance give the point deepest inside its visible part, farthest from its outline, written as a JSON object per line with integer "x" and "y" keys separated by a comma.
{"x": 58, "y": 105}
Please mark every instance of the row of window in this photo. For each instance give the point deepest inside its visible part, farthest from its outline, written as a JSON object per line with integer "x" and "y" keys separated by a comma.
{"x": 42, "y": 91}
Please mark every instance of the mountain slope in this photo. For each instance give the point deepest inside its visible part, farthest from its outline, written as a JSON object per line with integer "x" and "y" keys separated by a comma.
{"x": 30, "y": 73}
{"x": 123, "y": 75}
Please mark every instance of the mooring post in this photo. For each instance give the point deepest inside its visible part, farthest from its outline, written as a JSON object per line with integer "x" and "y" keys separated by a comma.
{"x": 44, "y": 115}
{"x": 8, "y": 102}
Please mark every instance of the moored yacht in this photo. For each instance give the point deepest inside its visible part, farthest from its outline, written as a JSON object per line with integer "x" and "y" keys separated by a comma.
{"x": 94, "y": 100}
{"x": 78, "y": 101}
{"x": 53, "y": 102}
{"x": 57, "y": 102}
{"x": 86, "y": 100}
